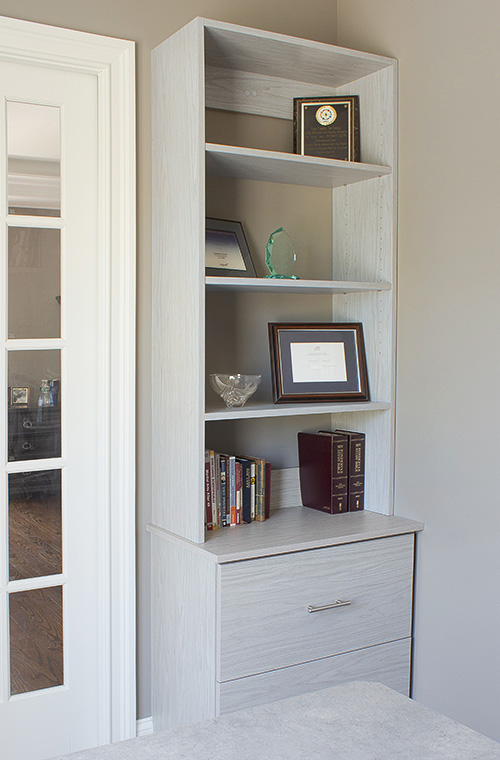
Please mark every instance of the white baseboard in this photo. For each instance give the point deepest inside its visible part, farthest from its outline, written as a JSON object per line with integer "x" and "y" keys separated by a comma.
{"x": 144, "y": 726}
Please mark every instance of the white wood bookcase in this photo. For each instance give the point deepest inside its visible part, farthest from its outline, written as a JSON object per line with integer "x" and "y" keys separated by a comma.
{"x": 199, "y": 668}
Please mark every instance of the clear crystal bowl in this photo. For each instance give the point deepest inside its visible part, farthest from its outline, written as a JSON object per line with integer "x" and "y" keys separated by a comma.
{"x": 234, "y": 389}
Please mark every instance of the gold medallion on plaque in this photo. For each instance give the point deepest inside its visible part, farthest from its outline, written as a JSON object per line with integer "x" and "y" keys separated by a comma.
{"x": 326, "y": 115}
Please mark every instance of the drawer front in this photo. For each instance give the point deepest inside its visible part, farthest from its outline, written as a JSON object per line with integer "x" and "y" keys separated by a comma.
{"x": 386, "y": 663}
{"x": 264, "y": 618}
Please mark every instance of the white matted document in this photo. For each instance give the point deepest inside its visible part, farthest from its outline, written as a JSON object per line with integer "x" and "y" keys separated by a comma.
{"x": 318, "y": 362}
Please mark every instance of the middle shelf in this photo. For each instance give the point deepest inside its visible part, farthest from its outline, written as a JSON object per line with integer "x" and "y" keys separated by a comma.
{"x": 259, "y": 410}
{"x": 289, "y": 168}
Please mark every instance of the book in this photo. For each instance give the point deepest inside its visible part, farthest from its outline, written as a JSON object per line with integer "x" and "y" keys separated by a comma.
{"x": 231, "y": 476}
{"x": 208, "y": 493}
{"x": 321, "y": 457}
{"x": 239, "y": 490}
{"x": 267, "y": 490}
{"x": 252, "y": 490}
{"x": 356, "y": 469}
{"x": 216, "y": 516}
{"x": 246, "y": 505}
{"x": 260, "y": 487}
{"x": 223, "y": 489}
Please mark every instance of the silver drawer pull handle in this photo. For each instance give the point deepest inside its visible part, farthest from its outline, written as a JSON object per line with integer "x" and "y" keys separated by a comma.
{"x": 338, "y": 603}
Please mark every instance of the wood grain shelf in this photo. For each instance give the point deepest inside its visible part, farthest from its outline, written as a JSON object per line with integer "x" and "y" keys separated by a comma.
{"x": 257, "y": 411}
{"x": 292, "y": 287}
{"x": 272, "y": 166}
{"x": 294, "y": 529}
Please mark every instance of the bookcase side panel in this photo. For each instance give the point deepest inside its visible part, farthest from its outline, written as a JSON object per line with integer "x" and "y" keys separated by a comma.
{"x": 365, "y": 248}
{"x": 378, "y": 116}
{"x": 183, "y": 625}
{"x": 178, "y": 283}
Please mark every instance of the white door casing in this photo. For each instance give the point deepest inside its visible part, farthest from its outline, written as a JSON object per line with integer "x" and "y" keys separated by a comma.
{"x": 108, "y": 66}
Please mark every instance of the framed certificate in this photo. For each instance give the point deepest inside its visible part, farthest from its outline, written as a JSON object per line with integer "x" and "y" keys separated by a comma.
{"x": 226, "y": 250}
{"x": 318, "y": 362}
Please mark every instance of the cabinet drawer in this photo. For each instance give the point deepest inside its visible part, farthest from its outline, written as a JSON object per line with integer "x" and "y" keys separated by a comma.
{"x": 386, "y": 663}
{"x": 264, "y": 618}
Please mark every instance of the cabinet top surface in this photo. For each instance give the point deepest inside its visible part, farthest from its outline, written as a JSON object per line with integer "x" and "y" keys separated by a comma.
{"x": 295, "y": 529}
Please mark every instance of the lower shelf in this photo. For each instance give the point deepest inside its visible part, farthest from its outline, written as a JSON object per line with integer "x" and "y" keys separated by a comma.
{"x": 385, "y": 663}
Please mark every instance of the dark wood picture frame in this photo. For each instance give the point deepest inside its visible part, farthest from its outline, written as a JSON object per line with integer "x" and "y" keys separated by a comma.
{"x": 318, "y": 362}
{"x": 231, "y": 237}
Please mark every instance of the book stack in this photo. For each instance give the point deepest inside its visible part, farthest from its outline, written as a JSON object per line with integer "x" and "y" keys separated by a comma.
{"x": 332, "y": 470}
{"x": 237, "y": 489}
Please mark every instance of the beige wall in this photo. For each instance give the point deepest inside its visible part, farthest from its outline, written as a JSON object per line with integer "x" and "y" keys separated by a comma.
{"x": 448, "y": 446}
{"x": 149, "y": 22}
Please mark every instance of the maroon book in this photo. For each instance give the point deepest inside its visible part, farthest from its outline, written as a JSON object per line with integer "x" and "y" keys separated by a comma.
{"x": 356, "y": 469}
{"x": 322, "y": 471}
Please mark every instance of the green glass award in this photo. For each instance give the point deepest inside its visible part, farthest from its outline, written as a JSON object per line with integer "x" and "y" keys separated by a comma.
{"x": 280, "y": 256}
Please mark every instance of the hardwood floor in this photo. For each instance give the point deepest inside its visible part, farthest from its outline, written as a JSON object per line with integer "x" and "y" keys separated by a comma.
{"x": 35, "y": 550}
{"x": 36, "y": 639}
{"x": 35, "y": 546}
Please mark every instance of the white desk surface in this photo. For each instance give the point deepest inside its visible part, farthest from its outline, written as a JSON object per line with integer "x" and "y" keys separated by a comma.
{"x": 353, "y": 721}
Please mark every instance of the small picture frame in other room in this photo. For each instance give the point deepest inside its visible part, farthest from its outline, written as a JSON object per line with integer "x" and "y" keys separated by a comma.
{"x": 19, "y": 396}
{"x": 318, "y": 362}
{"x": 226, "y": 250}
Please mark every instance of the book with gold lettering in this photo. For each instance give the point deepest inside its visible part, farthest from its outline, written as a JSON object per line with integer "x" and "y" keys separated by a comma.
{"x": 356, "y": 469}
{"x": 323, "y": 472}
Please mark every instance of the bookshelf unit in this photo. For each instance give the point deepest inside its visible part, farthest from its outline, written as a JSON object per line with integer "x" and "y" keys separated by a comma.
{"x": 204, "y": 324}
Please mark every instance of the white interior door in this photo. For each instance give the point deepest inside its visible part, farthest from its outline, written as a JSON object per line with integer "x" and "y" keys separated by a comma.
{"x": 55, "y": 511}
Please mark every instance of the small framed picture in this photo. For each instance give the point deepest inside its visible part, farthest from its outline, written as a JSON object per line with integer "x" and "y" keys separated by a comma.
{"x": 19, "y": 396}
{"x": 226, "y": 250}
{"x": 318, "y": 362}
{"x": 327, "y": 127}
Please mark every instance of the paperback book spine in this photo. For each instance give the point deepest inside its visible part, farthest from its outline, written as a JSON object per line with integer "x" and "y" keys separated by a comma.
{"x": 208, "y": 495}
{"x": 252, "y": 490}
{"x": 216, "y": 517}
{"x": 223, "y": 489}
{"x": 239, "y": 491}
{"x": 267, "y": 500}
{"x": 246, "y": 509}
{"x": 232, "y": 491}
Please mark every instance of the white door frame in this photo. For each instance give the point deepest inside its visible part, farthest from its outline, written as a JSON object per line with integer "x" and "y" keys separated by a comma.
{"x": 112, "y": 61}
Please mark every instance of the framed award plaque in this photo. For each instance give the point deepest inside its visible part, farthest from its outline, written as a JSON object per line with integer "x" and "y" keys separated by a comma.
{"x": 327, "y": 127}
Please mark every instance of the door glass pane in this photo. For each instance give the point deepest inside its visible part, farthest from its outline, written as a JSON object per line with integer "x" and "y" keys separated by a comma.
{"x": 36, "y": 639}
{"x": 34, "y": 405}
{"x": 34, "y": 283}
{"x": 35, "y": 546}
{"x": 34, "y": 159}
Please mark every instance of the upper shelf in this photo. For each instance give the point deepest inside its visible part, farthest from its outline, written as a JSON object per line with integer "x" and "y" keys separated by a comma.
{"x": 263, "y": 285}
{"x": 287, "y": 168}
{"x": 279, "y": 55}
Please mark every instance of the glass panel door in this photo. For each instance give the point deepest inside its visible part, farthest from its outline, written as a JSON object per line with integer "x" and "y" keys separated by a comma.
{"x": 34, "y": 354}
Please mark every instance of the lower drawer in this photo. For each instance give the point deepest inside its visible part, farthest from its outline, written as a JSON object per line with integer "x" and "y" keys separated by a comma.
{"x": 386, "y": 663}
